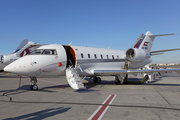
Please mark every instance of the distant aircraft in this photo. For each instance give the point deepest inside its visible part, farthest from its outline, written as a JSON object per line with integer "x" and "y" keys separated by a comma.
{"x": 77, "y": 61}
{"x": 23, "y": 49}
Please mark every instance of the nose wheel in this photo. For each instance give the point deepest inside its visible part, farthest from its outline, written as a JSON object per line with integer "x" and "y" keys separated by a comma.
{"x": 33, "y": 85}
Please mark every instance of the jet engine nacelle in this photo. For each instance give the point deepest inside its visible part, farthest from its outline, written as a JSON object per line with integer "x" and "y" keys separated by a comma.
{"x": 136, "y": 55}
{"x": 6, "y": 59}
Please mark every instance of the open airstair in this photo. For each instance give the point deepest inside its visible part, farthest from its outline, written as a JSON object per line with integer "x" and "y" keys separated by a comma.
{"x": 73, "y": 78}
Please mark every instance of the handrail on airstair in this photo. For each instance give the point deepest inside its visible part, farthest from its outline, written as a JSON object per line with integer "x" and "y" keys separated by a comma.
{"x": 78, "y": 66}
{"x": 73, "y": 68}
{"x": 73, "y": 77}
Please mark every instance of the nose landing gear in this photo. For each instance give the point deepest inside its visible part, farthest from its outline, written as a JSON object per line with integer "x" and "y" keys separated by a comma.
{"x": 33, "y": 83}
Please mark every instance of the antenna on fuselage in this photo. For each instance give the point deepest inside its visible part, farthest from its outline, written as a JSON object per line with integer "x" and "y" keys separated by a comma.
{"x": 70, "y": 43}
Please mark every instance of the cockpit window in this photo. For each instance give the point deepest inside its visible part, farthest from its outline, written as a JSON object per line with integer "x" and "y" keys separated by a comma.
{"x": 36, "y": 52}
{"x": 44, "y": 52}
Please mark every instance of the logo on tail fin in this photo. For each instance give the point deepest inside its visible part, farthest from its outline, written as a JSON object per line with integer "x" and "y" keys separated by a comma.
{"x": 145, "y": 44}
{"x": 138, "y": 43}
{"x": 27, "y": 50}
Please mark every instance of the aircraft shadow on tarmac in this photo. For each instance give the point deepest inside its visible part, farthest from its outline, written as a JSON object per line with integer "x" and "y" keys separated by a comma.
{"x": 9, "y": 76}
{"x": 90, "y": 84}
{"x": 41, "y": 114}
{"x": 26, "y": 88}
{"x": 43, "y": 89}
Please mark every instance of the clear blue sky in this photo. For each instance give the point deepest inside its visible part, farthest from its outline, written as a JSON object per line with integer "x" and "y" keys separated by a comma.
{"x": 94, "y": 23}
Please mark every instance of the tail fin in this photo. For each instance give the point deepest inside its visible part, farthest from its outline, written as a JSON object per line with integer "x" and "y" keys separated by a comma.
{"x": 138, "y": 41}
{"x": 29, "y": 47}
{"x": 146, "y": 42}
{"x": 21, "y": 45}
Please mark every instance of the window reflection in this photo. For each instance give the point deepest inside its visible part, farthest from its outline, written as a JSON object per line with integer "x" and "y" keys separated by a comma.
{"x": 44, "y": 52}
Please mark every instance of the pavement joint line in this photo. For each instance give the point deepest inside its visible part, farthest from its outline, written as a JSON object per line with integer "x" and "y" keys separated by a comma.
{"x": 112, "y": 105}
{"x": 164, "y": 98}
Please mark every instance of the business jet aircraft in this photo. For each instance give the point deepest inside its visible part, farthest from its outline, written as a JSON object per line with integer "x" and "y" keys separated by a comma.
{"x": 23, "y": 49}
{"x": 77, "y": 61}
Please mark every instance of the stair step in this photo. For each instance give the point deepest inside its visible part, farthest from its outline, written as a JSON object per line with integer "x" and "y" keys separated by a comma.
{"x": 73, "y": 79}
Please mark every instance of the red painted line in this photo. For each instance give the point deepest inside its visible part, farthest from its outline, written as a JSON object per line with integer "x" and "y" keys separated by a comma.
{"x": 98, "y": 114}
{"x": 49, "y": 71}
{"x": 104, "y": 93}
{"x": 50, "y": 82}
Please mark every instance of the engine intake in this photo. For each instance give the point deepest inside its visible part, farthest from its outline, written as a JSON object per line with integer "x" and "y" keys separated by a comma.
{"x": 6, "y": 59}
{"x": 2, "y": 59}
{"x": 136, "y": 55}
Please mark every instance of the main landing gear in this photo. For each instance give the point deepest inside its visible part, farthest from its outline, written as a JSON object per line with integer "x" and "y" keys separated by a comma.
{"x": 33, "y": 83}
{"x": 119, "y": 80}
{"x": 97, "y": 79}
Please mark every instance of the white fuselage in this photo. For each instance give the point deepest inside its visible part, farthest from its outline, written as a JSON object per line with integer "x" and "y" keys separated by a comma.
{"x": 50, "y": 63}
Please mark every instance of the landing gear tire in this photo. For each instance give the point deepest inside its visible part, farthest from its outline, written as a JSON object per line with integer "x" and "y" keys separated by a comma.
{"x": 34, "y": 87}
{"x": 97, "y": 80}
{"x": 33, "y": 83}
{"x": 117, "y": 82}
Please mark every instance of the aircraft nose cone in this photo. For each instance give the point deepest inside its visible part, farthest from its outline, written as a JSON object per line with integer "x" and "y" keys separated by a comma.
{"x": 21, "y": 66}
{"x": 15, "y": 67}
{"x": 9, "y": 68}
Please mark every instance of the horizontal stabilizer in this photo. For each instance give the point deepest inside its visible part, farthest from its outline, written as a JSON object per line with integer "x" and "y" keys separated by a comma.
{"x": 161, "y": 35}
{"x": 153, "y": 54}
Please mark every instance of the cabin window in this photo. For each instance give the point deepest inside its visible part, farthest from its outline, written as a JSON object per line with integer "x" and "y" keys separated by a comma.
{"x": 112, "y": 56}
{"x": 89, "y": 56}
{"x": 107, "y": 56}
{"x": 82, "y": 56}
{"x": 118, "y": 57}
{"x": 101, "y": 56}
{"x": 95, "y": 56}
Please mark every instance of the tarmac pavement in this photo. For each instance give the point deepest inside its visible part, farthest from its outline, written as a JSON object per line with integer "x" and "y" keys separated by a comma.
{"x": 56, "y": 100}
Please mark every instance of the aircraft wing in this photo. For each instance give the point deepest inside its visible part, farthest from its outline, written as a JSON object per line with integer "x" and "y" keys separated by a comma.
{"x": 161, "y": 51}
{"x": 134, "y": 72}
